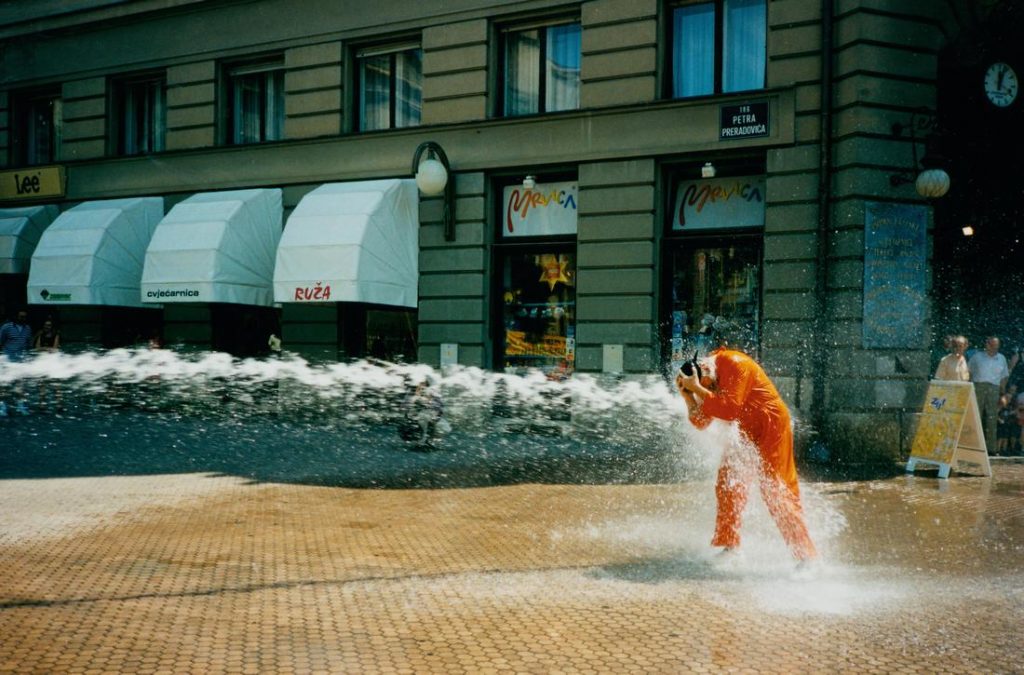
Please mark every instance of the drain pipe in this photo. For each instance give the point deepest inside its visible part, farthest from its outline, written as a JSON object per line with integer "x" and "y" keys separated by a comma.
{"x": 820, "y": 358}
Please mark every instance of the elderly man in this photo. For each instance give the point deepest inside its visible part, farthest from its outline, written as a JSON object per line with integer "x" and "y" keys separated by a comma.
{"x": 729, "y": 385}
{"x": 989, "y": 373}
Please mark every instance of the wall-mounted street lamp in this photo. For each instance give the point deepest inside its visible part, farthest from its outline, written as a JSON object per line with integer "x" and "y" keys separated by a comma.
{"x": 708, "y": 170}
{"x": 932, "y": 181}
{"x": 529, "y": 182}
{"x": 433, "y": 178}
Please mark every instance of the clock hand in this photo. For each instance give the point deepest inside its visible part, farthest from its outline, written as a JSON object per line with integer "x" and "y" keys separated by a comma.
{"x": 999, "y": 80}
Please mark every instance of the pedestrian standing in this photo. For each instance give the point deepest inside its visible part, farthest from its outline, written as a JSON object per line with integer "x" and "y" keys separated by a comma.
{"x": 15, "y": 341}
{"x": 989, "y": 373}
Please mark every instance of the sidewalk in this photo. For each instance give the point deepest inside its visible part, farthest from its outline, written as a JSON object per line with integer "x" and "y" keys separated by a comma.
{"x": 213, "y": 573}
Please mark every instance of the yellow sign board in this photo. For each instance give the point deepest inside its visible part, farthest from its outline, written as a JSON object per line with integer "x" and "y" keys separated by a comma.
{"x": 32, "y": 183}
{"x": 949, "y": 434}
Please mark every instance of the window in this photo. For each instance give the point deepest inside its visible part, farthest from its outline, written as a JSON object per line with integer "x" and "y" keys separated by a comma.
{"x": 37, "y": 130}
{"x": 714, "y": 288}
{"x": 140, "y": 109}
{"x": 538, "y": 291}
{"x": 390, "y": 87}
{"x": 718, "y": 47}
{"x": 541, "y": 69}
{"x": 255, "y": 105}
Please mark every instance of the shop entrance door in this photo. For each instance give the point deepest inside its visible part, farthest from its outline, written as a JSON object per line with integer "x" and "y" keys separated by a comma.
{"x": 714, "y": 287}
{"x": 538, "y": 311}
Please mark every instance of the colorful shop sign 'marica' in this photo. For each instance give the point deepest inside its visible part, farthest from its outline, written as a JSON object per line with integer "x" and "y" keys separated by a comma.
{"x": 541, "y": 211}
{"x": 718, "y": 203}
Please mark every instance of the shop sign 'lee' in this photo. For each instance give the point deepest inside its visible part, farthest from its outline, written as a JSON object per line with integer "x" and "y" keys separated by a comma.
{"x": 544, "y": 210}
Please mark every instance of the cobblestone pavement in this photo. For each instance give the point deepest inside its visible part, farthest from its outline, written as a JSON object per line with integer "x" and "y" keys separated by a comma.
{"x": 207, "y": 573}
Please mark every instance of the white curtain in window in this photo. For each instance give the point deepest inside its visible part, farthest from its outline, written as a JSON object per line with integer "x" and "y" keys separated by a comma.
{"x": 274, "y": 120}
{"x": 562, "y": 69}
{"x": 693, "y": 50}
{"x": 375, "y": 92}
{"x": 522, "y": 72}
{"x": 408, "y": 87}
{"x": 248, "y": 109}
{"x": 743, "y": 59}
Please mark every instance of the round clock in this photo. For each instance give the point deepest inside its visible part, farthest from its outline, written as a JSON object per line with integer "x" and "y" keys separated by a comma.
{"x": 1001, "y": 84}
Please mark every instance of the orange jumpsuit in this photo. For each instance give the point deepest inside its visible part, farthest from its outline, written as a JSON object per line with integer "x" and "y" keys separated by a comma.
{"x": 744, "y": 393}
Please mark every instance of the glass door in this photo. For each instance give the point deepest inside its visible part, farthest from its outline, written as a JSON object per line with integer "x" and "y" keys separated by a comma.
{"x": 714, "y": 290}
{"x": 538, "y": 313}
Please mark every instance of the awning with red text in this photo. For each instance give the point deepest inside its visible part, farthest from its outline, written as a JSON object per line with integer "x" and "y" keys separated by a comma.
{"x": 352, "y": 242}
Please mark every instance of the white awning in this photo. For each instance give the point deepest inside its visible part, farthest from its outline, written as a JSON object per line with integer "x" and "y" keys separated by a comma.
{"x": 92, "y": 254}
{"x": 352, "y": 242}
{"x": 215, "y": 247}
{"x": 20, "y": 230}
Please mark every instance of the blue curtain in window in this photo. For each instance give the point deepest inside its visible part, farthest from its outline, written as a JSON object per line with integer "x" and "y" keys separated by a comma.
{"x": 562, "y": 69}
{"x": 408, "y": 87}
{"x": 693, "y": 50}
{"x": 375, "y": 92}
{"x": 743, "y": 61}
{"x": 522, "y": 73}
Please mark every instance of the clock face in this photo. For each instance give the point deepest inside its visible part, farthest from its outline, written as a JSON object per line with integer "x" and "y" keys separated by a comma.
{"x": 1001, "y": 84}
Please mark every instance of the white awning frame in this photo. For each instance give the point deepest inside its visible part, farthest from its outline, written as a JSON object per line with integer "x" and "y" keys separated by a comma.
{"x": 352, "y": 242}
{"x": 216, "y": 247}
{"x": 92, "y": 254}
{"x": 20, "y": 230}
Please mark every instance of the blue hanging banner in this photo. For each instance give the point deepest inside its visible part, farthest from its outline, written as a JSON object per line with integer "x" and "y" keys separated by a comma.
{"x": 895, "y": 271}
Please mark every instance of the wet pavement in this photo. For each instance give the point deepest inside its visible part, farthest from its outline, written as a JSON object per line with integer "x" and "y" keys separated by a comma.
{"x": 172, "y": 567}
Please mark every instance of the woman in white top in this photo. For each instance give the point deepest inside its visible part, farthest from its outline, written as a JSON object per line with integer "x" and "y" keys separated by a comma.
{"x": 953, "y": 366}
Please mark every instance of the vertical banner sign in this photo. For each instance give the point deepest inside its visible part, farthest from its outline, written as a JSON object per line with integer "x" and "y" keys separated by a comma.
{"x": 949, "y": 433}
{"x": 895, "y": 247}
{"x": 540, "y": 211}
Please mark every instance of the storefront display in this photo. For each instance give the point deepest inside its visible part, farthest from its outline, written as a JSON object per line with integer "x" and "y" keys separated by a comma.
{"x": 539, "y": 295}
{"x": 537, "y": 262}
{"x": 713, "y": 266}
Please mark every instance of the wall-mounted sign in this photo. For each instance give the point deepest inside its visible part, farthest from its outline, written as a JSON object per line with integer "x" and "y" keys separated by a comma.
{"x": 544, "y": 210}
{"x": 39, "y": 182}
{"x": 715, "y": 203}
{"x": 746, "y": 120}
{"x": 895, "y": 242}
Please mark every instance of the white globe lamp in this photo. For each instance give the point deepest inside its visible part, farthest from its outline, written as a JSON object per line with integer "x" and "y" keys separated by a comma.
{"x": 932, "y": 183}
{"x": 431, "y": 177}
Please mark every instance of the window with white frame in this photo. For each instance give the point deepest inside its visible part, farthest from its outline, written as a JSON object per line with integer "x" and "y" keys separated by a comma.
{"x": 255, "y": 106}
{"x": 37, "y": 127}
{"x": 140, "y": 109}
{"x": 540, "y": 68}
{"x": 390, "y": 87}
{"x": 717, "y": 46}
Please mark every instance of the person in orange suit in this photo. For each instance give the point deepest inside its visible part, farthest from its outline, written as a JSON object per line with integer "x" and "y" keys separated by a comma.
{"x": 731, "y": 386}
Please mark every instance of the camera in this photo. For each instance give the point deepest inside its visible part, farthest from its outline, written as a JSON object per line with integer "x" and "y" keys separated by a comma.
{"x": 690, "y": 367}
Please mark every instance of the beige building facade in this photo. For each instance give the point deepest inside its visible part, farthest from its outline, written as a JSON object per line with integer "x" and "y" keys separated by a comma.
{"x": 727, "y": 179}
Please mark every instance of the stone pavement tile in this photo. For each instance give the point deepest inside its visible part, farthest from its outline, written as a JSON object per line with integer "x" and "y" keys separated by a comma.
{"x": 919, "y": 574}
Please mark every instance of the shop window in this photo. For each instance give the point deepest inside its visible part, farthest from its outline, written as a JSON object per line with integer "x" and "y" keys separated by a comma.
{"x": 255, "y": 102}
{"x": 140, "y": 114}
{"x": 540, "y": 69}
{"x": 717, "y": 47}
{"x": 539, "y": 310}
{"x": 390, "y": 89}
{"x": 37, "y": 127}
{"x": 715, "y": 292}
